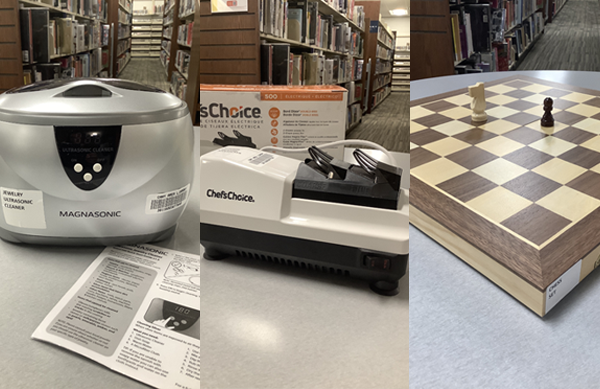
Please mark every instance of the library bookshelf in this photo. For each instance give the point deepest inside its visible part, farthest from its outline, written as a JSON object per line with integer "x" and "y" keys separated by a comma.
{"x": 490, "y": 35}
{"x": 229, "y": 49}
{"x": 11, "y": 53}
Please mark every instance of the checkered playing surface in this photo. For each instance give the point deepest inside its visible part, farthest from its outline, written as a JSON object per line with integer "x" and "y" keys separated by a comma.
{"x": 534, "y": 181}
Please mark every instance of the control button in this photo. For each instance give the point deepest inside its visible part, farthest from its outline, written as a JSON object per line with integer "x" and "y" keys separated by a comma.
{"x": 176, "y": 323}
{"x": 97, "y": 167}
{"x": 378, "y": 262}
{"x": 78, "y": 168}
{"x": 184, "y": 322}
{"x": 87, "y": 177}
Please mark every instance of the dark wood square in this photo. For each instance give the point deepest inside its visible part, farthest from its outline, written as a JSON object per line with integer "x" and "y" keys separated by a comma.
{"x": 421, "y": 156}
{"x": 588, "y": 183}
{"x": 521, "y": 118}
{"x": 524, "y": 135}
{"x": 518, "y": 84}
{"x": 474, "y": 136}
{"x": 556, "y": 93}
{"x": 527, "y": 157}
{"x": 439, "y": 106}
{"x": 596, "y": 116}
{"x": 582, "y": 157}
{"x": 532, "y": 186}
{"x": 560, "y": 104}
{"x": 467, "y": 186}
{"x": 568, "y": 118}
{"x": 471, "y": 157}
{"x": 522, "y": 105}
{"x": 595, "y": 102}
{"x": 432, "y": 120}
{"x": 519, "y": 94}
{"x": 467, "y": 119}
{"x": 536, "y": 223}
{"x": 426, "y": 136}
{"x": 574, "y": 135}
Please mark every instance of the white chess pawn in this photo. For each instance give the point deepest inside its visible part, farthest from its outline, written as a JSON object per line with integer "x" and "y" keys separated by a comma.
{"x": 478, "y": 104}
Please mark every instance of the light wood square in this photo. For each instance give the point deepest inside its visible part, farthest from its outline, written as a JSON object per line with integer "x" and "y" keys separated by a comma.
{"x": 500, "y": 99}
{"x": 500, "y": 146}
{"x": 584, "y": 110}
{"x": 499, "y": 204}
{"x": 500, "y": 89}
{"x": 553, "y": 146}
{"x": 537, "y": 88}
{"x": 501, "y": 112}
{"x": 446, "y": 146}
{"x": 592, "y": 144}
{"x": 589, "y": 125}
{"x": 499, "y": 127}
{"x": 569, "y": 203}
{"x": 416, "y": 127}
{"x": 459, "y": 99}
{"x": 413, "y": 146}
{"x": 437, "y": 171}
{"x": 560, "y": 171}
{"x": 500, "y": 171}
{"x": 536, "y": 99}
{"x": 539, "y": 111}
{"x": 452, "y": 128}
{"x": 457, "y": 113}
{"x": 419, "y": 112}
{"x": 577, "y": 97}
{"x": 546, "y": 130}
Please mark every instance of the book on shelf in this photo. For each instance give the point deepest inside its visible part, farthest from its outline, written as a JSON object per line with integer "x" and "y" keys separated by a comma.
{"x": 36, "y": 40}
{"x": 295, "y": 24}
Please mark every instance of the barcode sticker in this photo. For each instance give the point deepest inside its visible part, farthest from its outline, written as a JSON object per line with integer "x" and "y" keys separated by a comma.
{"x": 261, "y": 159}
{"x": 168, "y": 201}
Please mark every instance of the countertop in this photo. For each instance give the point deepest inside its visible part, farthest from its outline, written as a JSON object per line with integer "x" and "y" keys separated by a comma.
{"x": 34, "y": 279}
{"x": 465, "y": 332}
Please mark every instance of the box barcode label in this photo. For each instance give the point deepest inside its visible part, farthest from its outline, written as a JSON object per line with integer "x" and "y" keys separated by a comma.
{"x": 261, "y": 159}
{"x": 168, "y": 201}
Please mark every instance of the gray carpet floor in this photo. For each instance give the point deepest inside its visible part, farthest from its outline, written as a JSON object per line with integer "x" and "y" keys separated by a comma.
{"x": 388, "y": 125}
{"x": 570, "y": 42}
{"x": 148, "y": 71}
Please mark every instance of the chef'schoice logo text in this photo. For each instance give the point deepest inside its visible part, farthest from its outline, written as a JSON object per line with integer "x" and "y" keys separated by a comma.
{"x": 218, "y": 110}
{"x": 221, "y": 194}
{"x": 90, "y": 214}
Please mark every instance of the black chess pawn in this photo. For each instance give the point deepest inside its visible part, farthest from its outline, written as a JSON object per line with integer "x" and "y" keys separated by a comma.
{"x": 547, "y": 119}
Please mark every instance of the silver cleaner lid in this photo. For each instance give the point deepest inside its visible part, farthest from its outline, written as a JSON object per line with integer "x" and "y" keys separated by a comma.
{"x": 89, "y": 101}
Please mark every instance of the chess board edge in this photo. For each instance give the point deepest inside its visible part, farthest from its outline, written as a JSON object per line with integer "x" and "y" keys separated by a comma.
{"x": 534, "y": 299}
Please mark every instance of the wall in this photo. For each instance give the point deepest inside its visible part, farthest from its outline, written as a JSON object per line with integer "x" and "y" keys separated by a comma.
{"x": 402, "y": 28}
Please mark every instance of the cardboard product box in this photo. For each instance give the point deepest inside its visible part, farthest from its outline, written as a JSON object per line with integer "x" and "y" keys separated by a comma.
{"x": 281, "y": 116}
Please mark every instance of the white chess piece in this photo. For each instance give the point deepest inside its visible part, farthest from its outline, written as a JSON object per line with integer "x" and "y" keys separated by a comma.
{"x": 478, "y": 104}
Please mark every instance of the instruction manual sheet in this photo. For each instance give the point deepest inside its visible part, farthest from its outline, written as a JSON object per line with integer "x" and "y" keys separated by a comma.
{"x": 136, "y": 310}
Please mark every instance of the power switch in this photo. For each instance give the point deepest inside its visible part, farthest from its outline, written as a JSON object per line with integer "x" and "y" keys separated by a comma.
{"x": 376, "y": 262}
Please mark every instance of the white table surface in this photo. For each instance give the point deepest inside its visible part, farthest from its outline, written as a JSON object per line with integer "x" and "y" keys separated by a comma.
{"x": 266, "y": 326}
{"x": 467, "y": 333}
{"x": 34, "y": 279}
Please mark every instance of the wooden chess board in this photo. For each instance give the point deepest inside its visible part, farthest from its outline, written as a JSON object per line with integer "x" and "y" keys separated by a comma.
{"x": 517, "y": 201}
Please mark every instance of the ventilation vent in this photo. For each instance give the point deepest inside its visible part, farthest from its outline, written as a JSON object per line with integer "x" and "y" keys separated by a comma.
{"x": 289, "y": 262}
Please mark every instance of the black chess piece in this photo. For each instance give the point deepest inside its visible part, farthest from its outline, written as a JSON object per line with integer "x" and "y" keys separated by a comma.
{"x": 547, "y": 119}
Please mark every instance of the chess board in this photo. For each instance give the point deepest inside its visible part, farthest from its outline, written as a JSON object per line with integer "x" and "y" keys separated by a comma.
{"x": 517, "y": 201}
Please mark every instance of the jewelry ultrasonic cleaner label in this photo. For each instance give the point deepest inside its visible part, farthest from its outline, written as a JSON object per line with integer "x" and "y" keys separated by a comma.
{"x": 23, "y": 208}
{"x": 163, "y": 202}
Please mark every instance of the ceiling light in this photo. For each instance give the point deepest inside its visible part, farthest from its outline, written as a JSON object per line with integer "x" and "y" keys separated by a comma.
{"x": 398, "y": 12}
